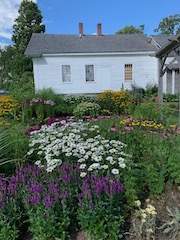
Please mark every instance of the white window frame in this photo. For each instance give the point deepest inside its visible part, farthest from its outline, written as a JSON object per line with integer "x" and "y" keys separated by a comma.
{"x": 89, "y": 72}
{"x": 66, "y": 73}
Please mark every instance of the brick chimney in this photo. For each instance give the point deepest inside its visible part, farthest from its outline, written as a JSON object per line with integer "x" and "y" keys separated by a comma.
{"x": 80, "y": 29}
{"x": 99, "y": 29}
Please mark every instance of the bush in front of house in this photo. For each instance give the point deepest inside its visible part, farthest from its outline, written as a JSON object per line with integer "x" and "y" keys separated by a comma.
{"x": 79, "y": 98}
{"x": 115, "y": 101}
{"x": 151, "y": 111}
{"x": 8, "y": 107}
{"x": 86, "y": 109}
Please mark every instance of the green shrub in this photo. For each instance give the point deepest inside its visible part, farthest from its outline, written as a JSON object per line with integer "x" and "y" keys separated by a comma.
{"x": 79, "y": 98}
{"x": 86, "y": 109}
{"x": 115, "y": 101}
{"x": 151, "y": 89}
{"x": 151, "y": 111}
{"x": 64, "y": 109}
{"x": 170, "y": 97}
{"x": 137, "y": 93}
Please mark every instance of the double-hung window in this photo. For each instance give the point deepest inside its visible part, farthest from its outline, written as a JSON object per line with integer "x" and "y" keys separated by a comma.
{"x": 66, "y": 73}
{"x": 89, "y": 73}
{"x": 128, "y": 72}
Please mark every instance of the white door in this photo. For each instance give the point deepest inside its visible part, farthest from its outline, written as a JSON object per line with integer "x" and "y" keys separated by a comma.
{"x": 105, "y": 78}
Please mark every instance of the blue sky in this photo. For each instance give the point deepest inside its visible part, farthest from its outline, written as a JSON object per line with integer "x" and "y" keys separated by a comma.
{"x": 63, "y": 16}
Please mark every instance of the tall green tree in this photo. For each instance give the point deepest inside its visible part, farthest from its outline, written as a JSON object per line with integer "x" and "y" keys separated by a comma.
{"x": 29, "y": 21}
{"x": 169, "y": 25}
{"x": 131, "y": 29}
{"x": 13, "y": 63}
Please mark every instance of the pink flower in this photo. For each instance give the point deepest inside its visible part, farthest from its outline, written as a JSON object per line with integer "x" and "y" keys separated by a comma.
{"x": 113, "y": 129}
{"x": 128, "y": 128}
{"x": 166, "y": 135}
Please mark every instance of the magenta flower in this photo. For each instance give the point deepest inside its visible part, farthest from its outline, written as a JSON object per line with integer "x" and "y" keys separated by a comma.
{"x": 128, "y": 128}
{"x": 166, "y": 135}
{"x": 114, "y": 129}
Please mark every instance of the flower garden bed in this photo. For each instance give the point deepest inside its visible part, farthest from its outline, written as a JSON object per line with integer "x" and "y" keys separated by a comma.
{"x": 84, "y": 179}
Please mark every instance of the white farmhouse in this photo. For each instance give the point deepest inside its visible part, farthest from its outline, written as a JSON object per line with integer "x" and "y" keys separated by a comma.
{"x": 81, "y": 63}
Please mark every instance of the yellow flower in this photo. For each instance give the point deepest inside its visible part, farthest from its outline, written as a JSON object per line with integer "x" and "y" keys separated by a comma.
{"x": 138, "y": 203}
{"x": 149, "y": 230}
{"x": 144, "y": 215}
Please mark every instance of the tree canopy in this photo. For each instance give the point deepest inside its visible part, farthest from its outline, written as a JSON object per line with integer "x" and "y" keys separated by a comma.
{"x": 131, "y": 29}
{"x": 169, "y": 25}
{"x": 29, "y": 21}
{"x": 13, "y": 63}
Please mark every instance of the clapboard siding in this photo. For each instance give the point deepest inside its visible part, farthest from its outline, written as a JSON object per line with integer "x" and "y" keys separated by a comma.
{"x": 48, "y": 72}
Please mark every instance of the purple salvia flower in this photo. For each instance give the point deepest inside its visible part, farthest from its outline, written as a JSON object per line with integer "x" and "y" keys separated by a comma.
{"x": 12, "y": 189}
{"x": 35, "y": 198}
{"x": 52, "y": 188}
{"x": 48, "y": 201}
{"x": 66, "y": 178}
{"x": 35, "y": 188}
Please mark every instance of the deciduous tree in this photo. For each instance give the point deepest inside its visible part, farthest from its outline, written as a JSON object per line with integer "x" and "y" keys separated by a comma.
{"x": 169, "y": 25}
{"x": 131, "y": 29}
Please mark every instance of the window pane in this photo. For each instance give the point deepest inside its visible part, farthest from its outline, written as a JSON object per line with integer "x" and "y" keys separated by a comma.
{"x": 128, "y": 71}
{"x": 66, "y": 73}
{"x": 89, "y": 73}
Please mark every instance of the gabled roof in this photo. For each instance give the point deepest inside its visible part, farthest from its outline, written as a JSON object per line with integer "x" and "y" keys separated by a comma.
{"x": 58, "y": 44}
{"x": 161, "y": 40}
{"x": 173, "y": 43}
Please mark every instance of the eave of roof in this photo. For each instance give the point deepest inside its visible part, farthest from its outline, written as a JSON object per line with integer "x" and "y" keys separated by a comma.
{"x": 174, "y": 43}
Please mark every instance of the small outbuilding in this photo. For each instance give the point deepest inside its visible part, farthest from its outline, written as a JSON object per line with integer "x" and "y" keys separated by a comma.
{"x": 81, "y": 63}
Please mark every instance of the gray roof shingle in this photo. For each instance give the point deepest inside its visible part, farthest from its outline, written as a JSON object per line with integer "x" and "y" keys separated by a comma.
{"x": 59, "y": 43}
{"x": 162, "y": 39}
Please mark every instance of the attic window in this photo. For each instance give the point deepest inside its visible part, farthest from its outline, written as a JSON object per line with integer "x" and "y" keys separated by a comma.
{"x": 89, "y": 73}
{"x": 66, "y": 73}
{"x": 128, "y": 72}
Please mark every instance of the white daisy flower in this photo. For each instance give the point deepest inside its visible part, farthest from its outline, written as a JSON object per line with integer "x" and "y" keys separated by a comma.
{"x": 115, "y": 171}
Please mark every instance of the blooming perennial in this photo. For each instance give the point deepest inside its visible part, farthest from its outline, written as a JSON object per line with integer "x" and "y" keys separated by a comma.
{"x": 72, "y": 141}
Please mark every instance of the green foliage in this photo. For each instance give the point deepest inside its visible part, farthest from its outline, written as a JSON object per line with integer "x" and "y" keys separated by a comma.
{"x": 172, "y": 227}
{"x": 7, "y": 231}
{"x": 14, "y": 146}
{"x": 151, "y": 111}
{"x": 137, "y": 93}
{"x": 21, "y": 87}
{"x": 46, "y": 94}
{"x": 101, "y": 210}
{"x": 6, "y": 66}
{"x": 13, "y": 62}
{"x": 29, "y": 21}
{"x": 79, "y": 98}
{"x": 169, "y": 25}
{"x": 173, "y": 165}
{"x": 115, "y": 101}
{"x": 171, "y": 97}
{"x": 144, "y": 221}
{"x": 64, "y": 109}
{"x": 131, "y": 30}
{"x": 151, "y": 90}
{"x": 86, "y": 109}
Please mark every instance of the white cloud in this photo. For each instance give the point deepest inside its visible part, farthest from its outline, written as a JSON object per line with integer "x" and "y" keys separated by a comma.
{"x": 2, "y": 44}
{"x": 8, "y": 13}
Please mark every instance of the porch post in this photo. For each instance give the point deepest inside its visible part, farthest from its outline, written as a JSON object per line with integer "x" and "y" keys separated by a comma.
{"x": 160, "y": 82}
